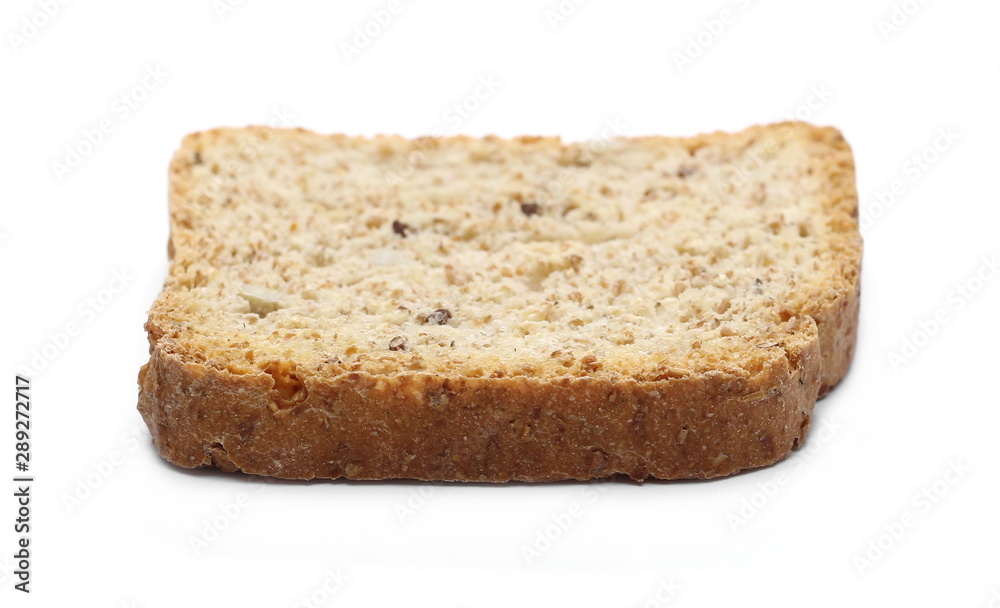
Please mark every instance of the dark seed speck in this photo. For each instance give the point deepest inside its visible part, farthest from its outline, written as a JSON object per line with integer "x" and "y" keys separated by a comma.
{"x": 441, "y": 316}
{"x": 531, "y": 208}
{"x": 401, "y": 229}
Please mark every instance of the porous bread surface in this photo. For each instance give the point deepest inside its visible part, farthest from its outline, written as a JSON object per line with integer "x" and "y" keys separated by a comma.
{"x": 488, "y": 270}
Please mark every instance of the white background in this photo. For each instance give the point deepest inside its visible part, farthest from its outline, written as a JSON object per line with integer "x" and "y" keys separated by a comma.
{"x": 113, "y": 524}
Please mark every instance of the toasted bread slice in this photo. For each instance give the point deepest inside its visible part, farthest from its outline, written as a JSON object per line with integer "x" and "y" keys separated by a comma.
{"x": 487, "y": 309}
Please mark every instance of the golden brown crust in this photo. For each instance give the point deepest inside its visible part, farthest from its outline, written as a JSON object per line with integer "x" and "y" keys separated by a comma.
{"x": 364, "y": 425}
{"x": 421, "y": 426}
{"x": 835, "y": 308}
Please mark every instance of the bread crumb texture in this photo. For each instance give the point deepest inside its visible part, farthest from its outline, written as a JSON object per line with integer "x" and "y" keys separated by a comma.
{"x": 675, "y": 305}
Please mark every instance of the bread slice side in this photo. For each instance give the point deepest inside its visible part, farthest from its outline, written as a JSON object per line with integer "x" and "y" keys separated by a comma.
{"x": 730, "y": 388}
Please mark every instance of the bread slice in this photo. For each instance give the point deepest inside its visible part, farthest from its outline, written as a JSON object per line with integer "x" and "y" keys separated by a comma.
{"x": 491, "y": 309}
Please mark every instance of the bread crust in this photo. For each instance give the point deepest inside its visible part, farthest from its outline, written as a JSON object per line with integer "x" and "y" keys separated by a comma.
{"x": 432, "y": 426}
